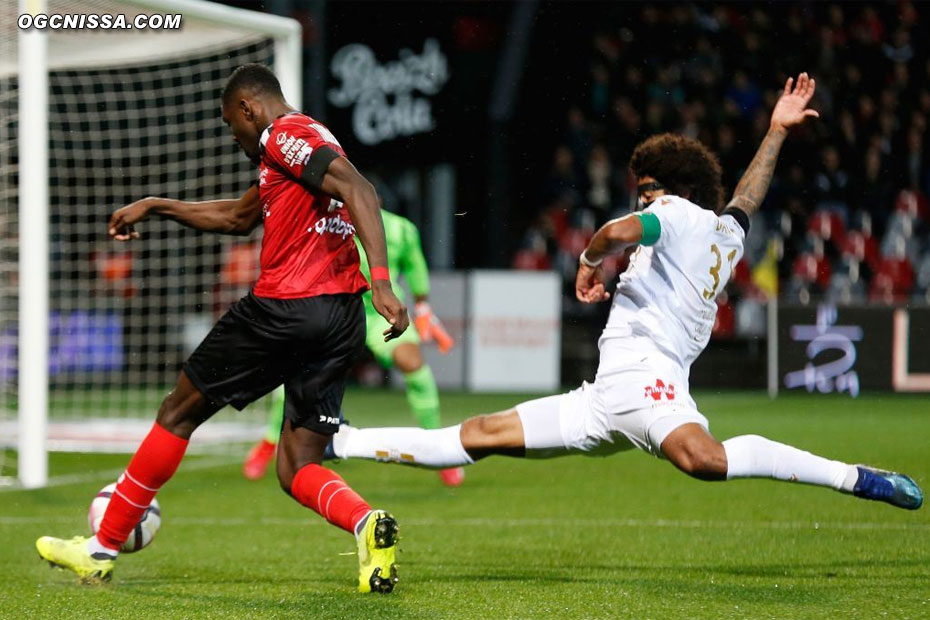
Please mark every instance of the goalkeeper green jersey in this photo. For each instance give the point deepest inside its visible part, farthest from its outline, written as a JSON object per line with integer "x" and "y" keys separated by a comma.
{"x": 405, "y": 257}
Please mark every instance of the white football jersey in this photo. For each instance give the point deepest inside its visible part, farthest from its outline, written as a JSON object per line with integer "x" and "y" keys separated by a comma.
{"x": 667, "y": 293}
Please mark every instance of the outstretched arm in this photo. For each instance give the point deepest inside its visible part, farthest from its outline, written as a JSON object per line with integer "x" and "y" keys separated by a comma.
{"x": 790, "y": 111}
{"x": 343, "y": 182}
{"x": 238, "y": 216}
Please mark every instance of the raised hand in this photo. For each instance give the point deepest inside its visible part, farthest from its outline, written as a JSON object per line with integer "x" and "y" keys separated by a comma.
{"x": 791, "y": 109}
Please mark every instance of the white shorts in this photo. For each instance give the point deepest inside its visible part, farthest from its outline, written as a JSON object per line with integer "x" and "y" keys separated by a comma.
{"x": 638, "y": 398}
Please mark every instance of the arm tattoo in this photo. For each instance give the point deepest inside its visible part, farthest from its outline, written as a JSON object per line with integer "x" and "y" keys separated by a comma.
{"x": 752, "y": 188}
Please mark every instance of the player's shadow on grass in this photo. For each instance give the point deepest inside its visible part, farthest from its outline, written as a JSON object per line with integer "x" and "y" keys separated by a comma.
{"x": 842, "y": 571}
{"x": 297, "y": 598}
{"x": 866, "y": 570}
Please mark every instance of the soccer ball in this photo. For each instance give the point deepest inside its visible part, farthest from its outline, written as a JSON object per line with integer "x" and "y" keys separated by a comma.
{"x": 145, "y": 529}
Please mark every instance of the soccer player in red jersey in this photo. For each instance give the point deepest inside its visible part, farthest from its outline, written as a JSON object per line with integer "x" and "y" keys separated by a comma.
{"x": 301, "y": 325}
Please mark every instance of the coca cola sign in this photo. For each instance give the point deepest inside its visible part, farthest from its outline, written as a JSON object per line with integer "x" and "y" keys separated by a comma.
{"x": 392, "y": 99}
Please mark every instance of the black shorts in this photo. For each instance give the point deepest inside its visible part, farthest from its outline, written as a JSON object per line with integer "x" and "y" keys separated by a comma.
{"x": 307, "y": 344}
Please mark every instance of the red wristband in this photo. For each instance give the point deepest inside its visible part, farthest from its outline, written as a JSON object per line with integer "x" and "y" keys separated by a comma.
{"x": 380, "y": 273}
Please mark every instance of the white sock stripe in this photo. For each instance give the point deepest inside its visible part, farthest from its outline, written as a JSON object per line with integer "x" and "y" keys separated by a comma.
{"x": 319, "y": 496}
{"x": 329, "y": 501}
{"x": 129, "y": 500}
{"x": 360, "y": 521}
{"x": 128, "y": 475}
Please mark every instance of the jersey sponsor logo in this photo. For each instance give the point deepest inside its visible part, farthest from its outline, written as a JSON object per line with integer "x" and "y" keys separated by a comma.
{"x": 282, "y": 138}
{"x": 334, "y": 225}
{"x": 655, "y": 392}
{"x": 295, "y": 150}
{"x": 326, "y": 419}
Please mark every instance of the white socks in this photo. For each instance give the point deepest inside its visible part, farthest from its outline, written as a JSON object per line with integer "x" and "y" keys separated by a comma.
{"x": 435, "y": 449}
{"x": 94, "y": 546}
{"x": 752, "y": 456}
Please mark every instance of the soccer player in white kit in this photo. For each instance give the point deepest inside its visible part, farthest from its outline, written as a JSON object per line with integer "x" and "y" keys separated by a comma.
{"x": 660, "y": 321}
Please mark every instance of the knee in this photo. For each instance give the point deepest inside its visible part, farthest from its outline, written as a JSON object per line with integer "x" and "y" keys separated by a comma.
{"x": 477, "y": 430}
{"x": 706, "y": 461}
{"x": 493, "y": 429}
{"x": 408, "y": 359}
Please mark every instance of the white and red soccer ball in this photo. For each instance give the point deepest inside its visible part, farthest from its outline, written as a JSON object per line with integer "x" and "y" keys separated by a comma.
{"x": 144, "y": 531}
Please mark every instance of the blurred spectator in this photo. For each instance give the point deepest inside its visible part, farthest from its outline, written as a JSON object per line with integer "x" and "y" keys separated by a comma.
{"x": 839, "y": 223}
{"x": 832, "y": 182}
{"x": 743, "y": 97}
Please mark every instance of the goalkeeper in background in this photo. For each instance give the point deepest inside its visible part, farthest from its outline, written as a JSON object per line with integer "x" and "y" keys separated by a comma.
{"x": 405, "y": 255}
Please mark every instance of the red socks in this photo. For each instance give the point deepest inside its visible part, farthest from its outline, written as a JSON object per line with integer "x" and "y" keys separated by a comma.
{"x": 158, "y": 457}
{"x": 153, "y": 465}
{"x": 325, "y": 492}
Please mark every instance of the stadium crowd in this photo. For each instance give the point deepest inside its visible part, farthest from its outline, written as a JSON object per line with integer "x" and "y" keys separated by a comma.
{"x": 847, "y": 216}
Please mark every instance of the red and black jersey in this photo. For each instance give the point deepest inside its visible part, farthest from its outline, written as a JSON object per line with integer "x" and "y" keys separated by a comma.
{"x": 308, "y": 247}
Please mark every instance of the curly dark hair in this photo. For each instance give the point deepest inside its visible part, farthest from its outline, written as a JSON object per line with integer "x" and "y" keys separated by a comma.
{"x": 684, "y": 166}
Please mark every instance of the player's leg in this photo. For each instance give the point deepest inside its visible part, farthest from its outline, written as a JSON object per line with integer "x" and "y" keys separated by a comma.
{"x": 260, "y": 456}
{"x": 153, "y": 464}
{"x": 422, "y": 393}
{"x": 423, "y": 397}
{"x": 328, "y": 343}
{"x": 532, "y": 428}
{"x": 694, "y": 451}
{"x": 404, "y": 354}
{"x": 233, "y": 365}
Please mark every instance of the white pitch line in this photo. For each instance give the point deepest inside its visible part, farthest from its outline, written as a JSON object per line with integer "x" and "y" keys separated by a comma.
{"x": 112, "y": 474}
{"x": 520, "y": 523}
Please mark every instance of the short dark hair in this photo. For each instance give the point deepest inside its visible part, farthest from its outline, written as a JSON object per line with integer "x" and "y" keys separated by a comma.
{"x": 684, "y": 166}
{"x": 255, "y": 77}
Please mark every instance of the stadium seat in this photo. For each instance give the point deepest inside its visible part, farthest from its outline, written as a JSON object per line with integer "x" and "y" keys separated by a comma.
{"x": 863, "y": 247}
{"x": 914, "y": 204}
{"x": 828, "y": 226}
{"x": 812, "y": 269}
{"x": 893, "y": 280}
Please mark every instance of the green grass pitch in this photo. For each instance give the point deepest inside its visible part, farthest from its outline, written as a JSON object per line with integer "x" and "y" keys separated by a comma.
{"x": 625, "y": 536}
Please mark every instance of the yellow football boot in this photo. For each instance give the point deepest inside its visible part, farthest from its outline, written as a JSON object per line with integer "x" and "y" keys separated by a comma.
{"x": 377, "y": 543}
{"x": 73, "y": 555}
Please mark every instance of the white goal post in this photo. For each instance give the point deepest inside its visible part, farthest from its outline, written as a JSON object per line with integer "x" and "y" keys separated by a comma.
{"x": 85, "y": 125}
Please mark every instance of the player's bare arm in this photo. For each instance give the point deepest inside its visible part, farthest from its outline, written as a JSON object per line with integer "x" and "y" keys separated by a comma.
{"x": 345, "y": 183}
{"x": 613, "y": 238}
{"x": 790, "y": 111}
{"x": 238, "y": 216}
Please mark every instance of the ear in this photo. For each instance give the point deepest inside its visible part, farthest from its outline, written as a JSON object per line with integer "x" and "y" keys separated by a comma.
{"x": 246, "y": 108}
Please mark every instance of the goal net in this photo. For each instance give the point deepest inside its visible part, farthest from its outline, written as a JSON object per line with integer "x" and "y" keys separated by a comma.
{"x": 131, "y": 114}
